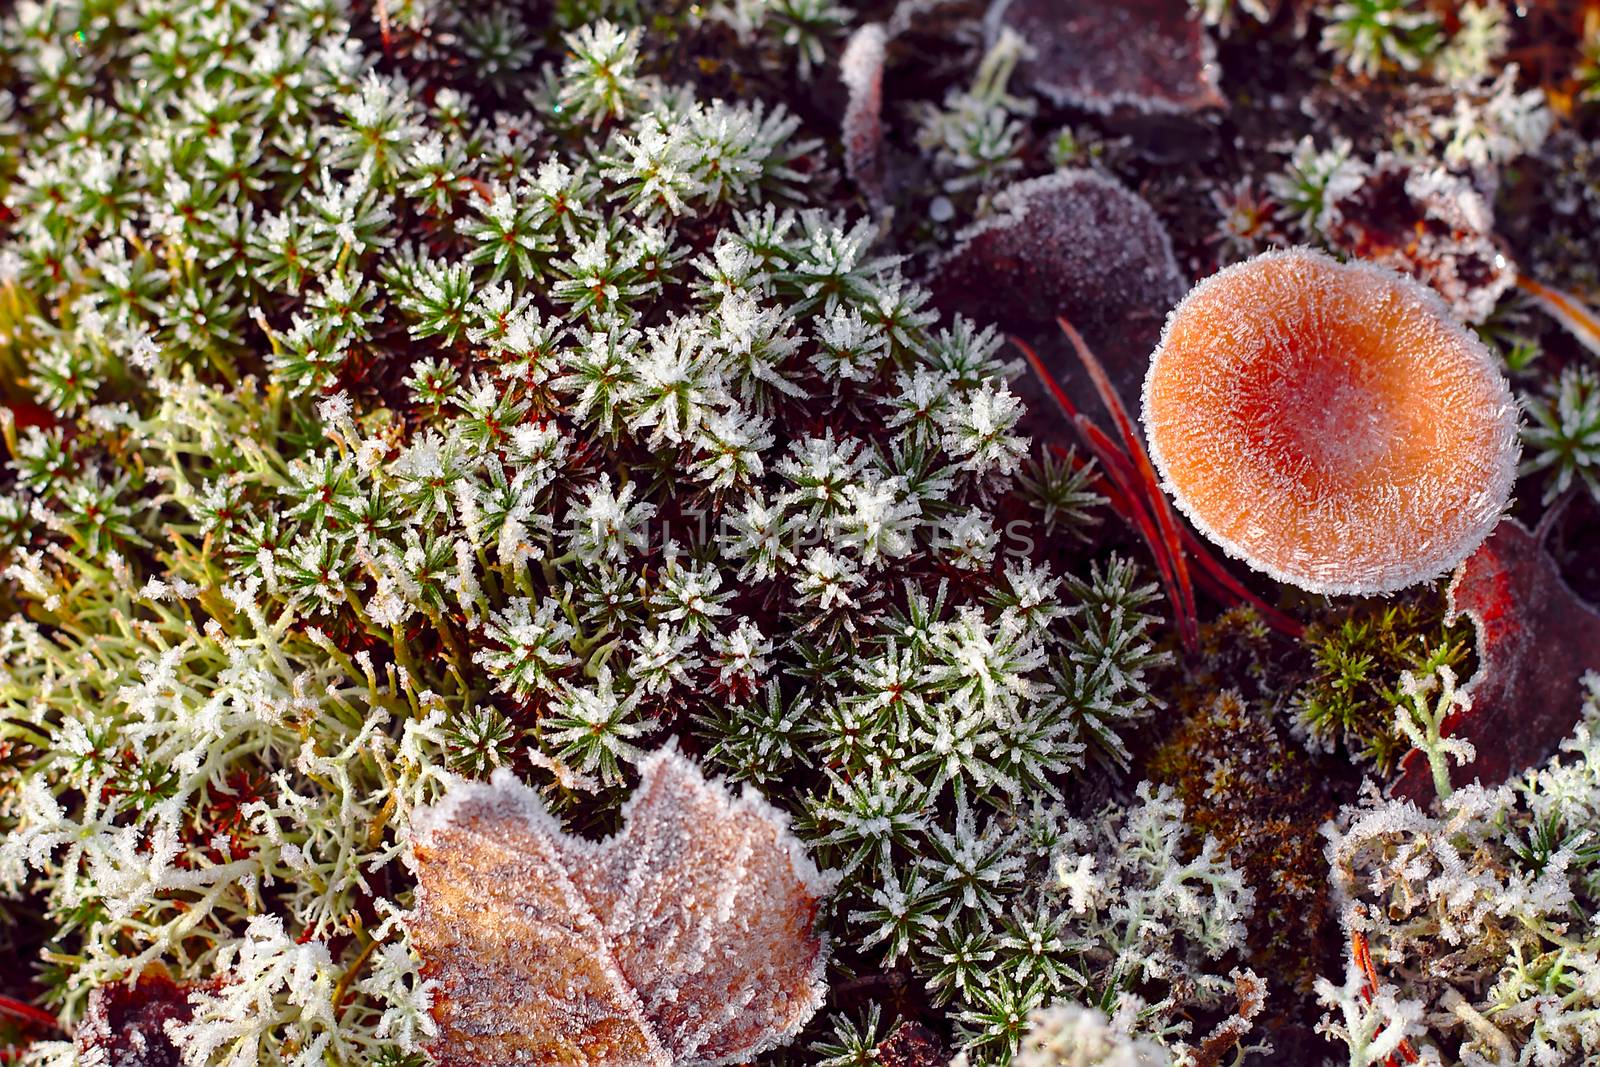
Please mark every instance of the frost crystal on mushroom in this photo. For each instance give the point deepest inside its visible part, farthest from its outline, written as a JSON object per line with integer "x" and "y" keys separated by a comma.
{"x": 1330, "y": 424}
{"x": 687, "y": 938}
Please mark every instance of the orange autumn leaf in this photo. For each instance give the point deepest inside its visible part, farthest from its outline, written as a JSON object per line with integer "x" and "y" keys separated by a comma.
{"x": 686, "y": 938}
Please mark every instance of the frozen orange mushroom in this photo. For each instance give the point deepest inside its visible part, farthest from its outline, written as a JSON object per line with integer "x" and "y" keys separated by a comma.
{"x": 1330, "y": 423}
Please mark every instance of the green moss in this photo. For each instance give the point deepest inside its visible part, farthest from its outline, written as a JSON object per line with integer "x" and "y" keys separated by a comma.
{"x": 1357, "y": 655}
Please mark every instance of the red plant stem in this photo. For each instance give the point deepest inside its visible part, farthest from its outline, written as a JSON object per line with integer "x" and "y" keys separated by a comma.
{"x": 1362, "y": 952}
{"x": 18, "y": 1009}
{"x": 1114, "y": 464}
{"x": 1219, "y": 575}
{"x": 1210, "y": 575}
{"x": 1118, "y": 471}
{"x": 1165, "y": 520}
{"x": 382, "y": 11}
{"x": 1567, "y": 309}
{"x": 1058, "y": 394}
{"x": 1225, "y": 589}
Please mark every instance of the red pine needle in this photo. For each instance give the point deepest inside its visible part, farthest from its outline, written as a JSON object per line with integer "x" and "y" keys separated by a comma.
{"x": 1115, "y": 466}
{"x": 1119, "y": 485}
{"x": 1118, "y": 471}
{"x": 1218, "y": 575}
{"x": 18, "y": 1009}
{"x": 1157, "y": 500}
{"x": 1362, "y": 953}
{"x": 1058, "y": 394}
{"x": 1566, "y": 309}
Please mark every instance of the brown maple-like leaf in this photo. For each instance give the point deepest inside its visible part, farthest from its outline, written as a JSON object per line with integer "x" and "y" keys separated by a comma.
{"x": 686, "y": 938}
{"x": 1536, "y": 639}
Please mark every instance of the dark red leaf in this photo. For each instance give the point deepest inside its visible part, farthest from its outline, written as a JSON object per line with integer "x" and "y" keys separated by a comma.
{"x": 126, "y": 1027}
{"x": 1073, "y": 244}
{"x": 911, "y": 1045}
{"x": 1536, "y": 638}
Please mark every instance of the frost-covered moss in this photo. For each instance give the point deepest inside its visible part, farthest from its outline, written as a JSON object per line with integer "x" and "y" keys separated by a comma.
{"x": 391, "y": 430}
{"x": 1478, "y": 919}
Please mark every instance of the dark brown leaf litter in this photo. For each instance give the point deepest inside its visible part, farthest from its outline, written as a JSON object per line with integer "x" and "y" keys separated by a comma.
{"x": 1536, "y": 640}
{"x": 1140, "y": 56}
{"x": 1074, "y": 244}
{"x": 911, "y": 1045}
{"x": 126, "y": 1026}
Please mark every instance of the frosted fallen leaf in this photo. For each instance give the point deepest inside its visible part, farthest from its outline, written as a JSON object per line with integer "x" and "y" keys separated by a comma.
{"x": 1148, "y": 56}
{"x": 686, "y": 938}
{"x": 861, "y": 70}
{"x": 1074, "y": 244}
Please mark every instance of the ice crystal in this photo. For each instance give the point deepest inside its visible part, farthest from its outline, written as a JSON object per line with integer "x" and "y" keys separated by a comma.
{"x": 686, "y": 938}
{"x": 126, "y": 1027}
{"x": 1495, "y": 126}
{"x": 1480, "y": 38}
{"x": 1311, "y": 186}
{"x": 1132, "y": 909}
{"x": 1072, "y": 1035}
{"x": 976, "y": 135}
{"x": 1379, "y": 430}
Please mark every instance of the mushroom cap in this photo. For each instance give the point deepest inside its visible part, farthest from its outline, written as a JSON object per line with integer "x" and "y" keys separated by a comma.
{"x": 1330, "y": 424}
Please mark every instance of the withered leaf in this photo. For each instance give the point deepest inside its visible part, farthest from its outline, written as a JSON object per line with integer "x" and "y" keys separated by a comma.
{"x": 1536, "y": 639}
{"x": 861, "y": 70}
{"x": 911, "y": 1045}
{"x": 1141, "y": 55}
{"x": 1432, "y": 225}
{"x": 686, "y": 938}
{"x": 125, "y": 1026}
